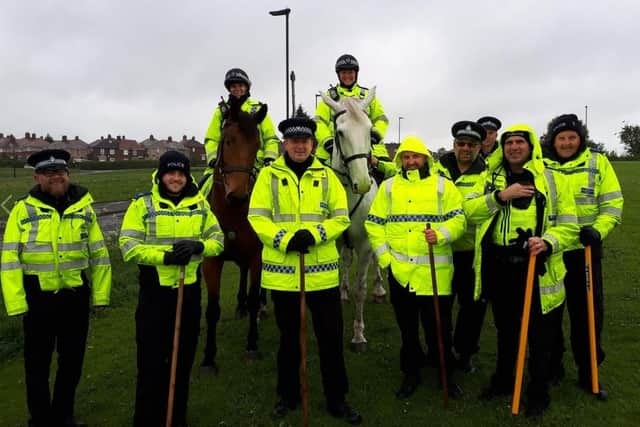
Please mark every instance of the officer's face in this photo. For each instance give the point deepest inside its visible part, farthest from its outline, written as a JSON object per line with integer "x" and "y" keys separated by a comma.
{"x": 412, "y": 160}
{"x": 466, "y": 149}
{"x": 517, "y": 151}
{"x": 53, "y": 182}
{"x": 567, "y": 143}
{"x": 298, "y": 149}
{"x": 174, "y": 181}
{"x": 237, "y": 89}
{"x": 490, "y": 140}
{"x": 347, "y": 77}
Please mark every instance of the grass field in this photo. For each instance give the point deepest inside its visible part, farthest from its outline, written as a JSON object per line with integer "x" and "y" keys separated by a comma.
{"x": 243, "y": 394}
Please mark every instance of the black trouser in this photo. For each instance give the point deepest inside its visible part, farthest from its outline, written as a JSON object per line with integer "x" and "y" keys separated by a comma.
{"x": 326, "y": 311}
{"x": 412, "y": 310}
{"x": 57, "y": 321}
{"x": 155, "y": 322}
{"x": 505, "y": 277}
{"x": 466, "y": 337}
{"x": 576, "y": 289}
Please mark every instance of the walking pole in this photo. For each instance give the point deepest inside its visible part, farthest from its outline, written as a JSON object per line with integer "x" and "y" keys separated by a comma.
{"x": 436, "y": 307}
{"x": 176, "y": 344}
{"x": 595, "y": 386}
{"x": 524, "y": 330}
{"x": 303, "y": 346}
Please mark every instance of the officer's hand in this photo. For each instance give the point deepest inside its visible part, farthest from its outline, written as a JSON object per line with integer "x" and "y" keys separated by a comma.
{"x": 328, "y": 146}
{"x": 301, "y": 241}
{"x": 374, "y": 161}
{"x": 522, "y": 239}
{"x": 430, "y": 236}
{"x": 172, "y": 258}
{"x": 190, "y": 247}
{"x": 517, "y": 190}
{"x": 589, "y": 236}
{"x": 375, "y": 136}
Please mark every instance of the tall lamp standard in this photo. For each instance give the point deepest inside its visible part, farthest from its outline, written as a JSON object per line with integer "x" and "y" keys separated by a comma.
{"x": 399, "y": 123}
{"x": 285, "y": 12}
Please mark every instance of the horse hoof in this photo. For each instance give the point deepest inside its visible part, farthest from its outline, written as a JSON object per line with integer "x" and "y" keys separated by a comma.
{"x": 379, "y": 299}
{"x": 209, "y": 369}
{"x": 358, "y": 347}
{"x": 252, "y": 356}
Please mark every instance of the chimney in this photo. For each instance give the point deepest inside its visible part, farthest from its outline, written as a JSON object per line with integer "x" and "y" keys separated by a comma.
{"x": 1, "y": 135}
{"x": 27, "y": 135}
{"x": 184, "y": 137}
{"x": 33, "y": 135}
{"x": 193, "y": 138}
{"x": 151, "y": 137}
{"x": 76, "y": 138}
{"x": 170, "y": 139}
{"x": 64, "y": 138}
{"x": 101, "y": 138}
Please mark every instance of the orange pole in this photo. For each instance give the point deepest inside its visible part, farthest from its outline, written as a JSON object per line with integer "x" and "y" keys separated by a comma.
{"x": 303, "y": 346}
{"x": 595, "y": 386}
{"x": 176, "y": 344}
{"x": 524, "y": 330}
{"x": 436, "y": 308}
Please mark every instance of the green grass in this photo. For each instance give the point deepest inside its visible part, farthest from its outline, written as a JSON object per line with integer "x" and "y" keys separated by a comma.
{"x": 243, "y": 394}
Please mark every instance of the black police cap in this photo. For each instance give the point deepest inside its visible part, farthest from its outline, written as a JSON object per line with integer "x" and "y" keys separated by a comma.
{"x": 489, "y": 122}
{"x": 49, "y": 160}
{"x": 469, "y": 129}
{"x": 297, "y": 127}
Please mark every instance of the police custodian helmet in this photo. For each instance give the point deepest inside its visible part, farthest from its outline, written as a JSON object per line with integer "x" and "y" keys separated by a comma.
{"x": 236, "y": 75}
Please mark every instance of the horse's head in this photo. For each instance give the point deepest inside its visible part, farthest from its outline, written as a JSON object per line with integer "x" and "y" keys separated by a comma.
{"x": 237, "y": 151}
{"x": 352, "y": 139}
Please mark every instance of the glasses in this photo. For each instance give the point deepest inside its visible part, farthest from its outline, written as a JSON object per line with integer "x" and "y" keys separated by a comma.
{"x": 470, "y": 144}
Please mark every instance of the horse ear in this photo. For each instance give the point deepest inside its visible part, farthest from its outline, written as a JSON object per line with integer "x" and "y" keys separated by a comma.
{"x": 259, "y": 115}
{"x": 369, "y": 98}
{"x": 331, "y": 103}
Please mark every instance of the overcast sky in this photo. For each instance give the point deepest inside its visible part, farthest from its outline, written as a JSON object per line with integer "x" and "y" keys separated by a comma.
{"x": 133, "y": 68}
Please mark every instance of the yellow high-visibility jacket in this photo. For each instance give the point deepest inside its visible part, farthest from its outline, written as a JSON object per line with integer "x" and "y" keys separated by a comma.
{"x": 152, "y": 224}
{"x": 281, "y": 205}
{"x": 55, "y": 248}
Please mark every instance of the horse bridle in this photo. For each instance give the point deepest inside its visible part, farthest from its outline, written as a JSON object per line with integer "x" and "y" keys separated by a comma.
{"x": 251, "y": 171}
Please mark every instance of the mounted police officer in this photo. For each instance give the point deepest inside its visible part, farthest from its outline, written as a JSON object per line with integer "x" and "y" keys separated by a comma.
{"x": 599, "y": 201}
{"x": 521, "y": 209}
{"x": 298, "y": 206}
{"x": 347, "y": 69}
{"x": 237, "y": 82}
{"x": 54, "y": 266}
{"x": 396, "y": 229}
{"x": 464, "y": 167}
{"x": 168, "y": 227}
{"x": 491, "y": 126}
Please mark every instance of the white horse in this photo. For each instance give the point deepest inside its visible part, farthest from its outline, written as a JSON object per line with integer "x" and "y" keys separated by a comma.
{"x": 350, "y": 162}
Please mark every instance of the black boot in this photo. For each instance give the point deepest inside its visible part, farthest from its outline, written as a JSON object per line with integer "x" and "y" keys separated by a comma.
{"x": 409, "y": 385}
{"x": 345, "y": 411}
{"x": 282, "y": 408}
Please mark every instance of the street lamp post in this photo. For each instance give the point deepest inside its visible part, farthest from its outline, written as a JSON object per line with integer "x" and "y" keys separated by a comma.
{"x": 399, "y": 123}
{"x": 285, "y": 12}
{"x": 293, "y": 93}
{"x": 586, "y": 107}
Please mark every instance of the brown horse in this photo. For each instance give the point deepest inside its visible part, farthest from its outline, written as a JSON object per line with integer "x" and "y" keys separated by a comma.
{"x": 234, "y": 176}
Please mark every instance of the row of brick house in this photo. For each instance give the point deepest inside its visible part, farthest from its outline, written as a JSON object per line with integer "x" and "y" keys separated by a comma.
{"x": 104, "y": 149}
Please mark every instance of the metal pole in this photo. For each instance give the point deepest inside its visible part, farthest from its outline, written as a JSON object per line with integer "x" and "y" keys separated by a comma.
{"x": 586, "y": 107}
{"x": 285, "y": 12}
{"x": 293, "y": 93}
{"x": 399, "y": 123}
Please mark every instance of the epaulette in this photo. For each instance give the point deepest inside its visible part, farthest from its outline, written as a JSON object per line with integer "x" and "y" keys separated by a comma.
{"x": 141, "y": 194}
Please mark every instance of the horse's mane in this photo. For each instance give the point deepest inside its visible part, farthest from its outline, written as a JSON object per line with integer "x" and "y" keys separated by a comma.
{"x": 354, "y": 107}
{"x": 246, "y": 124}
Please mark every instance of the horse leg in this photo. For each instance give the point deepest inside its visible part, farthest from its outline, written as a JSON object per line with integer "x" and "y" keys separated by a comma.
{"x": 253, "y": 304}
{"x": 241, "y": 308}
{"x": 359, "y": 342}
{"x": 346, "y": 255}
{"x": 379, "y": 293}
{"x": 212, "y": 271}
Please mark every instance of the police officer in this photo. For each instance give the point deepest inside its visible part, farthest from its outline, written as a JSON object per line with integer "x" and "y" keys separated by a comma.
{"x": 599, "y": 201}
{"x": 491, "y": 126}
{"x": 521, "y": 209}
{"x": 347, "y": 69}
{"x": 54, "y": 265}
{"x": 396, "y": 229}
{"x": 168, "y": 227}
{"x": 237, "y": 82}
{"x": 464, "y": 167}
{"x": 298, "y": 206}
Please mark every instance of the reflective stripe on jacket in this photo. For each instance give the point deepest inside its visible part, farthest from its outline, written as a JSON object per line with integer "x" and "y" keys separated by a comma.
{"x": 57, "y": 249}
{"x": 152, "y": 224}
{"x": 281, "y": 205}
{"x": 397, "y": 219}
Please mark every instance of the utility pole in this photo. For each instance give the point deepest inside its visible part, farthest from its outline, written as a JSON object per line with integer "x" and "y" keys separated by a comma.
{"x": 586, "y": 108}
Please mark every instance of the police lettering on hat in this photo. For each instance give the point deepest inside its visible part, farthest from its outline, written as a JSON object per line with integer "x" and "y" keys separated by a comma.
{"x": 174, "y": 161}
{"x": 489, "y": 122}
{"x": 297, "y": 127}
{"x": 49, "y": 160}
{"x": 468, "y": 129}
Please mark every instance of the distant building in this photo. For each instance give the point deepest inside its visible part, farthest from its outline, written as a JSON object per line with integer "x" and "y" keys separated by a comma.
{"x": 130, "y": 149}
{"x": 195, "y": 149}
{"x": 156, "y": 148}
{"x": 78, "y": 149}
{"x": 29, "y": 144}
{"x": 104, "y": 149}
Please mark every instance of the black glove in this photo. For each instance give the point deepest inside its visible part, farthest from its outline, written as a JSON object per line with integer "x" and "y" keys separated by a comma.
{"x": 172, "y": 258}
{"x": 301, "y": 241}
{"x": 328, "y": 146}
{"x": 188, "y": 247}
{"x": 541, "y": 258}
{"x": 589, "y": 236}
{"x": 267, "y": 161}
{"x": 375, "y": 136}
{"x": 522, "y": 239}
{"x": 212, "y": 163}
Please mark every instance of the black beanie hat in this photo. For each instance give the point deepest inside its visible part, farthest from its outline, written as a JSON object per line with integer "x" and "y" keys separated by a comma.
{"x": 174, "y": 161}
{"x": 566, "y": 122}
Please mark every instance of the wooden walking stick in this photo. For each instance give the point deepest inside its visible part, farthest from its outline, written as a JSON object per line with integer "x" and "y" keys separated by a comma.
{"x": 524, "y": 330}
{"x": 303, "y": 346}
{"x": 436, "y": 308}
{"x": 176, "y": 344}
{"x": 595, "y": 386}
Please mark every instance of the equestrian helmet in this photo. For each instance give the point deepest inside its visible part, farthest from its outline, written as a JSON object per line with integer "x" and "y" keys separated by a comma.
{"x": 236, "y": 75}
{"x": 347, "y": 62}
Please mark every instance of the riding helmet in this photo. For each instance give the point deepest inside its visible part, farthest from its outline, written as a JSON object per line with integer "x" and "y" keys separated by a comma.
{"x": 347, "y": 62}
{"x": 236, "y": 75}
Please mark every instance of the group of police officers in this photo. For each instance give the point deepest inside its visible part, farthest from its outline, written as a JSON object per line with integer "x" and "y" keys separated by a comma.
{"x": 484, "y": 208}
